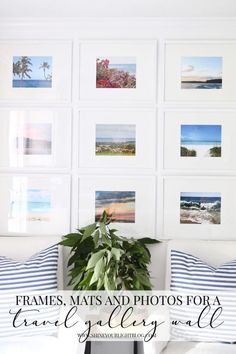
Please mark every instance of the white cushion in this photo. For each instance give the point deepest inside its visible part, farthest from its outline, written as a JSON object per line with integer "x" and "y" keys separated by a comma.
{"x": 32, "y": 345}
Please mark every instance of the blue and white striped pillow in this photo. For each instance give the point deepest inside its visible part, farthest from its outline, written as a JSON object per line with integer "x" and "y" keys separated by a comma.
{"x": 36, "y": 276}
{"x": 190, "y": 275}
{"x": 38, "y": 273}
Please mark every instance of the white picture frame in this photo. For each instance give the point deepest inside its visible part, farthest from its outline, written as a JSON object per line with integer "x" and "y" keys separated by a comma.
{"x": 34, "y": 204}
{"x": 197, "y": 224}
{"x": 35, "y": 138}
{"x": 105, "y": 137}
{"x": 48, "y": 74}
{"x": 140, "y": 54}
{"x": 199, "y": 60}
{"x": 143, "y": 202}
{"x": 217, "y": 128}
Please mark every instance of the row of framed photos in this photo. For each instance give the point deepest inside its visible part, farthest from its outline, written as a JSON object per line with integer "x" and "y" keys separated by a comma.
{"x": 117, "y": 71}
{"x": 41, "y": 138}
{"x": 192, "y": 206}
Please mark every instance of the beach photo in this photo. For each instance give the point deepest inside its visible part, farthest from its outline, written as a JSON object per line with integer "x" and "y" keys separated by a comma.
{"x": 200, "y": 140}
{"x": 34, "y": 139}
{"x": 116, "y": 72}
{"x": 32, "y": 72}
{"x": 201, "y": 72}
{"x": 115, "y": 139}
{"x": 31, "y": 204}
{"x": 200, "y": 208}
{"x": 120, "y": 204}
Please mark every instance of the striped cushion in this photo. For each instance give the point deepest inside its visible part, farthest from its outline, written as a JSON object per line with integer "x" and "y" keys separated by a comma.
{"x": 38, "y": 273}
{"x": 36, "y": 276}
{"x": 191, "y": 276}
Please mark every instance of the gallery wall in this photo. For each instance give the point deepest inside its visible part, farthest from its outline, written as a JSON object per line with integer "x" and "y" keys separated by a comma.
{"x": 154, "y": 146}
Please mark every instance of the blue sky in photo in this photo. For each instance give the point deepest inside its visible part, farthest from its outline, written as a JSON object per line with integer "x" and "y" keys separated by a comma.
{"x": 115, "y": 131}
{"x": 202, "y": 66}
{"x": 200, "y": 132}
{"x": 38, "y": 196}
{"x": 200, "y": 194}
{"x": 36, "y": 73}
{"x": 114, "y": 196}
{"x": 127, "y": 64}
{"x": 130, "y": 68}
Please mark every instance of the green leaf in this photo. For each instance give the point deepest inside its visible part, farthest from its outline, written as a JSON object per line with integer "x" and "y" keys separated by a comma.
{"x": 108, "y": 255}
{"x": 86, "y": 280}
{"x": 103, "y": 228}
{"x": 76, "y": 279}
{"x": 148, "y": 241}
{"x": 96, "y": 238}
{"x": 117, "y": 253}
{"x": 70, "y": 240}
{"x": 144, "y": 279}
{"x": 106, "y": 240}
{"x": 89, "y": 230}
{"x": 86, "y": 246}
{"x": 98, "y": 270}
{"x": 109, "y": 284}
{"x": 95, "y": 258}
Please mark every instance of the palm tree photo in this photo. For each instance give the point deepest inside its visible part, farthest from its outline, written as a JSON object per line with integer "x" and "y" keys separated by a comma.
{"x": 45, "y": 66}
{"x": 22, "y": 68}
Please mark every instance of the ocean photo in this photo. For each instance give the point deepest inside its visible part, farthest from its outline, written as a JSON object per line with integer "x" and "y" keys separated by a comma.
{"x": 201, "y": 72}
{"x": 200, "y": 140}
{"x": 34, "y": 139}
{"x": 32, "y": 72}
{"x": 31, "y": 204}
{"x": 115, "y": 139}
{"x": 116, "y": 72}
{"x": 200, "y": 208}
{"x": 120, "y": 204}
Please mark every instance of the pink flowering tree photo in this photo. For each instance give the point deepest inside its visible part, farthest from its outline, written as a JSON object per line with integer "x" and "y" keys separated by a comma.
{"x": 114, "y": 73}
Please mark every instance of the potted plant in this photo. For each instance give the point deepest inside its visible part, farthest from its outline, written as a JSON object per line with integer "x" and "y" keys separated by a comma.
{"x": 101, "y": 260}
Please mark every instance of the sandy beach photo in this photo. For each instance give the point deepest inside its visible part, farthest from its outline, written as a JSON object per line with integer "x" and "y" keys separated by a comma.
{"x": 31, "y": 204}
{"x": 200, "y": 140}
{"x": 120, "y": 204}
{"x": 200, "y": 208}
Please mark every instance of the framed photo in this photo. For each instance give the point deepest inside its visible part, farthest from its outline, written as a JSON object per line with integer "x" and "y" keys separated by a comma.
{"x": 35, "y": 138}
{"x": 35, "y": 70}
{"x": 200, "y": 71}
{"x": 127, "y": 198}
{"x": 117, "y": 139}
{"x": 199, "y": 207}
{"x": 35, "y": 204}
{"x": 199, "y": 140}
{"x": 118, "y": 71}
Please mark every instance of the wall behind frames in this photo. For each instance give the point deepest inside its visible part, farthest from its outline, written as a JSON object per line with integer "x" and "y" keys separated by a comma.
{"x": 157, "y": 31}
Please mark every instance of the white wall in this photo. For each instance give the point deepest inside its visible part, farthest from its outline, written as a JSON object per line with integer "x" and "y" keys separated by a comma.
{"x": 157, "y": 30}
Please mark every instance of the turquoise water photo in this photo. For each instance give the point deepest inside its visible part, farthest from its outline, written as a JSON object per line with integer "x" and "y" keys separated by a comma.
{"x": 200, "y": 140}
{"x": 32, "y": 204}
